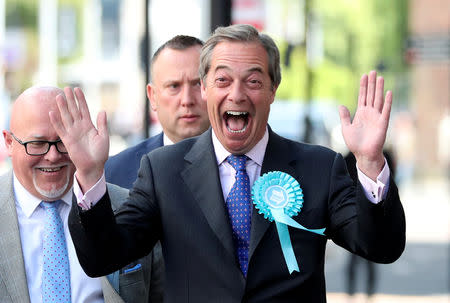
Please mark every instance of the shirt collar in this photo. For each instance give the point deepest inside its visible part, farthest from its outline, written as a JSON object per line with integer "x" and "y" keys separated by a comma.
{"x": 256, "y": 153}
{"x": 27, "y": 202}
{"x": 166, "y": 140}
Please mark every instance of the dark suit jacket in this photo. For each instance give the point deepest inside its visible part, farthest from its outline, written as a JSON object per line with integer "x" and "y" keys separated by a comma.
{"x": 122, "y": 170}
{"x": 178, "y": 199}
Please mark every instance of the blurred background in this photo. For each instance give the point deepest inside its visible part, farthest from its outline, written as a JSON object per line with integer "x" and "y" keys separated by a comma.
{"x": 104, "y": 46}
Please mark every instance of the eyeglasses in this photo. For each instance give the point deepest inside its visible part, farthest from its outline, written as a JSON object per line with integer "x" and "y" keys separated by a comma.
{"x": 40, "y": 147}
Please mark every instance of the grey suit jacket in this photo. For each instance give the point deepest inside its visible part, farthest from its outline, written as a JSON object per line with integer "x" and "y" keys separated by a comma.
{"x": 13, "y": 280}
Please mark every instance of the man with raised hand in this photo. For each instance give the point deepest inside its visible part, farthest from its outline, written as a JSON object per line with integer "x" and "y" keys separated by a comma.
{"x": 196, "y": 196}
{"x": 38, "y": 262}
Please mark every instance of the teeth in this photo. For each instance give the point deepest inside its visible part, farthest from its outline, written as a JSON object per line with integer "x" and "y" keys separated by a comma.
{"x": 233, "y": 113}
{"x": 50, "y": 169}
{"x": 237, "y": 131}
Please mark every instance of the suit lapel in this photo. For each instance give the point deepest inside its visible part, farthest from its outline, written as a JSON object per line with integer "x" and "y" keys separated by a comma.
{"x": 207, "y": 191}
{"x": 202, "y": 177}
{"x": 277, "y": 157}
{"x": 12, "y": 268}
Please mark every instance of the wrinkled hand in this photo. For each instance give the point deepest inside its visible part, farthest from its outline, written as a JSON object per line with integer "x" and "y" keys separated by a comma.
{"x": 366, "y": 134}
{"x": 87, "y": 146}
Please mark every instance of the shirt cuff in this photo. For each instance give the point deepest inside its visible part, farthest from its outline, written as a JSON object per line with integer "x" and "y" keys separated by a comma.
{"x": 375, "y": 191}
{"x": 92, "y": 196}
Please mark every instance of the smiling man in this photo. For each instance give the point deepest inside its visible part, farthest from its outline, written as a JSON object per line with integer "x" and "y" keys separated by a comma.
{"x": 41, "y": 180}
{"x": 196, "y": 196}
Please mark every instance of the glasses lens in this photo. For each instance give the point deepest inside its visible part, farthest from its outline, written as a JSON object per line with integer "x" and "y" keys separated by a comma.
{"x": 37, "y": 147}
{"x": 61, "y": 147}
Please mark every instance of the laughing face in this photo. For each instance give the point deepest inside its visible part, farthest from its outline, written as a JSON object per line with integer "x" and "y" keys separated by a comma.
{"x": 47, "y": 176}
{"x": 239, "y": 92}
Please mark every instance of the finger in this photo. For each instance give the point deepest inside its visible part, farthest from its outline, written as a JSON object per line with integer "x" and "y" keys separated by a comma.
{"x": 379, "y": 93}
{"x": 65, "y": 116}
{"x": 55, "y": 119}
{"x": 344, "y": 115}
{"x": 102, "y": 124}
{"x": 84, "y": 110}
{"x": 362, "y": 91}
{"x": 371, "y": 88}
{"x": 385, "y": 114}
{"x": 72, "y": 103}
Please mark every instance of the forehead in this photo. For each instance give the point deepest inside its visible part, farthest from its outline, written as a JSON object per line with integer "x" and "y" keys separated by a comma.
{"x": 31, "y": 118}
{"x": 239, "y": 55}
{"x": 177, "y": 58}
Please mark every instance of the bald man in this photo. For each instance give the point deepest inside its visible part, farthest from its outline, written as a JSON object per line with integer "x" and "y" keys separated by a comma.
{"x": 41, "y": 171}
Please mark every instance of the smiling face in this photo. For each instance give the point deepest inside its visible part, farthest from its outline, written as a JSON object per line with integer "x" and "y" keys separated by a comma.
{"x": 48, "y": 176}
{"x": 175, "y": 93}
{"x": 239, "y": 92}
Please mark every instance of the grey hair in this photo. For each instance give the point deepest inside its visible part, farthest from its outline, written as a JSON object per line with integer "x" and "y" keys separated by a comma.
{"x": 241, "y": 33}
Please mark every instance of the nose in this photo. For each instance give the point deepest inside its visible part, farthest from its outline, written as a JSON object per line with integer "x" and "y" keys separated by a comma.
{"x": 236, "y": 93}
{"x": 53, "y": 154}
{"x": 188, "y": 96}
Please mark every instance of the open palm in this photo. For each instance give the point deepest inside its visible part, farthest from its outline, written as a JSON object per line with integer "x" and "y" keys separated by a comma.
{"x": 366, "y": 134}
{"x": 87, "y": 146}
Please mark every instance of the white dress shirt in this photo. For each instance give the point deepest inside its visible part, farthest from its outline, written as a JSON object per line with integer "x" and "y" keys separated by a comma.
{"x": 166, "y": 140}
{"x": 31, "y": 218}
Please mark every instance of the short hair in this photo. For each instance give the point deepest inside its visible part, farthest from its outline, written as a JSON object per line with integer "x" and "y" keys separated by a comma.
{"x": 241, "y": 33}
{"x": 179, "y": 42}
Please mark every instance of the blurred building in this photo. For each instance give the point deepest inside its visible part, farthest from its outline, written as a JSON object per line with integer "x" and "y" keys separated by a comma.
{"x": 429, "y": 55}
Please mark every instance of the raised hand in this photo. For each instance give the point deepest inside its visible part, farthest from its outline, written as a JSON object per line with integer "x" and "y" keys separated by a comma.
{"x": 366, "y": 134}
{"x": 88, "y": 146}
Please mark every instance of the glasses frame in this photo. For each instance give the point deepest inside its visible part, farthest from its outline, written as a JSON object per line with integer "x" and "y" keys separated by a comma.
{"x": 50, "y": 143}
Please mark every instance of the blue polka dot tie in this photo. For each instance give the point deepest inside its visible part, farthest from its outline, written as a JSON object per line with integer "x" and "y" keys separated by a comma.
{"x": 56, "y": 269}
{"x": 239, "y": 210}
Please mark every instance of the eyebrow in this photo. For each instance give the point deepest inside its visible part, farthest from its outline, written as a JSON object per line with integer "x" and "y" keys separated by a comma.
{"x": 250, "y": 70}
{"x": 41, "y": 138}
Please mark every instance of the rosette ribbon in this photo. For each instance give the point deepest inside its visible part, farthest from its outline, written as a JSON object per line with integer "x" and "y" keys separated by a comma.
{"x": 279, "y": 197}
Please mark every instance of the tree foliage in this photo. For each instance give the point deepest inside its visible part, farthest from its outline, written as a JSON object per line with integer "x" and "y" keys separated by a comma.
{"x": 358, "y": 36}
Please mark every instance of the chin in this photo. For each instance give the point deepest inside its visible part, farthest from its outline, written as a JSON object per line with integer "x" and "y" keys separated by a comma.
{"x": 54, "y": 191}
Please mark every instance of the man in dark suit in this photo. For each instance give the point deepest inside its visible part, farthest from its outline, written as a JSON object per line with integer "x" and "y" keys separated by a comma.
{"x": 185, "y": 196}
{"x": 174, "y": 94}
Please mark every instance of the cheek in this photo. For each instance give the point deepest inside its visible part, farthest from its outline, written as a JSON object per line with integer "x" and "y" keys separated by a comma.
{"x": 23, "y": 168}
{"x": 25, "y": 162}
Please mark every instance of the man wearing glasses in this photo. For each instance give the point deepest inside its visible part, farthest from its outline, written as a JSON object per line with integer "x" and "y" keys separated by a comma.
{"x": 41, "y": 179}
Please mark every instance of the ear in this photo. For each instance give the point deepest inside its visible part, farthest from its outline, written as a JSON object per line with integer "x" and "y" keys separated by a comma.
{"x": 151, "y": 97}
{"x": 8, "y": 141}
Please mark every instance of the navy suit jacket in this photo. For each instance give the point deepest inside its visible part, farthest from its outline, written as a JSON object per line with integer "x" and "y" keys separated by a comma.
{"x": 178, "y": 199}
{"x": 121, "y": 169}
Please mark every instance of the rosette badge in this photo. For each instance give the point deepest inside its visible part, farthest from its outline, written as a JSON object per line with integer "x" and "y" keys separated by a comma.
{"x": 279, "y": 197}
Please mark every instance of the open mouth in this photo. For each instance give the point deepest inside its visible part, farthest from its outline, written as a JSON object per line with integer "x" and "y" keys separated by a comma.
{"x": 236, "y": 122}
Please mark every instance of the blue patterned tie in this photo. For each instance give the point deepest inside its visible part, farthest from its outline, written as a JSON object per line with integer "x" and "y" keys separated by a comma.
{"x": 56, "y": 269}
{"x": 239, "y": 210}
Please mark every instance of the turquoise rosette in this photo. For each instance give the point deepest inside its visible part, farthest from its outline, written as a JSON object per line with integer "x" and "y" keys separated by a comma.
{"x": 279, "y": 197}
